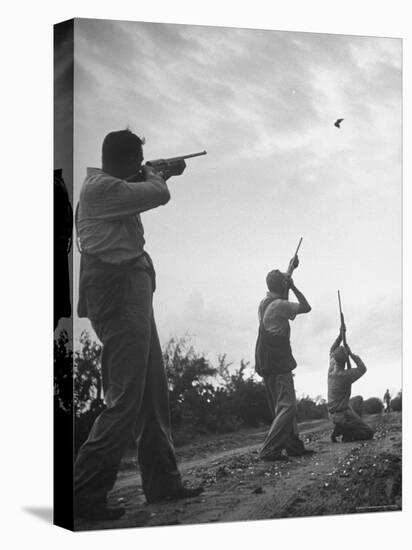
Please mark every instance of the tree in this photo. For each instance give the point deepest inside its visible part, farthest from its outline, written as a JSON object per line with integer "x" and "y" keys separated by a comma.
{"x": 396, "y": 402}
{"x": 309, "y": 409}
{"x": 63, "y": 372}
{"x": 88, "y": 392}
{"x": 87, "y": 387}
{"x": 373, "y": 405}
{"x": 246, "y": 400}
{"x": 189, "y": 375}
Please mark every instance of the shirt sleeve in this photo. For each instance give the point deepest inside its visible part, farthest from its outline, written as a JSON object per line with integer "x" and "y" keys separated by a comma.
{"x": 112, "y": 198}
{"x": 354, "y": 374}
{"x": 287, "y": 309}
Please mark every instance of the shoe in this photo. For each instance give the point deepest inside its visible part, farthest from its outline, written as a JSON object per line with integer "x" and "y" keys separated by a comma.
{"x": 275, "y": 456}
{"x": 304, "y": 452}
{"x": 98, "y": 512}
{"x": 176, "y": 494}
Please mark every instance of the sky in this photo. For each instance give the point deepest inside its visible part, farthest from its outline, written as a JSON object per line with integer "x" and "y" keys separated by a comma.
{"x": 263, "y": 104}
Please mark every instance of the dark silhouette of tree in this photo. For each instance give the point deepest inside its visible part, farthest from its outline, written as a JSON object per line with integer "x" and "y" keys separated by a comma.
{"x": 396, "y": 402}
{"x": 189, "y": 375}
{"x": 203, "y": 398}
{"x": 88, "y": 391}
{"x": 245, "y": 398}
{"x": 309, "y": 409}
{"x": 373, "y": 405}
{"x": 63, "y": 372}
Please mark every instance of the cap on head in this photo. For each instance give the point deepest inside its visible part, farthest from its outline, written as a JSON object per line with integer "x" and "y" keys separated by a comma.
{"x": 275, "y": 281}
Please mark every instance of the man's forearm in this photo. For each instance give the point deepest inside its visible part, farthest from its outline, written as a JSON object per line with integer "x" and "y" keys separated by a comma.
{"x": 305, "y": 306}
{"x": 359, "y": 371}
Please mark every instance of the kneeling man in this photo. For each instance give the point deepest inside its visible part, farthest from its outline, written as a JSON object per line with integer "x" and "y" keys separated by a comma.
{"x": 347, "y": 423}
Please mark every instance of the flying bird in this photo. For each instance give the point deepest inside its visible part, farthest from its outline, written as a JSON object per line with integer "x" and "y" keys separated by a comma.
{"x": 337, "y": 123}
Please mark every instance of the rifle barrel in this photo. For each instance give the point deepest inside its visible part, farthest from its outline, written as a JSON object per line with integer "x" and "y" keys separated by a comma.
{"x": 188, "y": 156}
{"x": 297, "y": 250}
{"x": 340, "y": 305}
{"x": 195, "y": 155}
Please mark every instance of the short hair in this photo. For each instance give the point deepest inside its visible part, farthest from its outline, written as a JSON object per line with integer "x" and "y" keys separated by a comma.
{"x": 119, "y": 146}
{"x": 275, "y": 281}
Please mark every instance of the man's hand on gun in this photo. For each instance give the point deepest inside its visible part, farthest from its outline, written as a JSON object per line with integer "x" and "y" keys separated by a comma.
{"x": 289, "y": 281}
{"x": 293, "y": 264}
{"x": 167, "y": 171}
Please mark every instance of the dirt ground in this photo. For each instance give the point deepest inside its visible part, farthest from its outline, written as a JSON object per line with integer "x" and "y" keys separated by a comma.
{"x": 341, "y": 478}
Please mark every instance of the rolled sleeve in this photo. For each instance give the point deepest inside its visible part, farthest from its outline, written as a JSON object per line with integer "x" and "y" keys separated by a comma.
{"x": 288, "y": 310}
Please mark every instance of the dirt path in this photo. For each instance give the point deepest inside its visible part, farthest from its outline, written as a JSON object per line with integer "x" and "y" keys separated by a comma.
{"x": 339, "y": 478}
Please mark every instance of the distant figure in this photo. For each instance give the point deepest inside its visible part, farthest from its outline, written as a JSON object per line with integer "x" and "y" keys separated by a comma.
{"x": 62, "y": 229}
{"x": 348, "y": 424}
{"x": 338, "y": 122}
{"x": 387, "y": 401}
{"x": 275, "y": 362}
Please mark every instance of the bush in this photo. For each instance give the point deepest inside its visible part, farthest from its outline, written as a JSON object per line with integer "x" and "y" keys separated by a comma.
{"x": 203, "y": 398}
{"x": 356, "y": 402}
{"x": 373, "y": 405}
{"x": 396, "y": 402}
{"x": 308, "y": 409}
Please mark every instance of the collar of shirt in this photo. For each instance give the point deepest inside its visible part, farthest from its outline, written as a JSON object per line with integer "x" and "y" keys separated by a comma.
{"x": 90, "y": 170}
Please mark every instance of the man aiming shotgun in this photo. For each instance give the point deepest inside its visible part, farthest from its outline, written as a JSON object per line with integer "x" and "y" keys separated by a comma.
{"x": 275, "y": 362}
{"x": 117, "y": 281}
{"x": 347, "y": 423}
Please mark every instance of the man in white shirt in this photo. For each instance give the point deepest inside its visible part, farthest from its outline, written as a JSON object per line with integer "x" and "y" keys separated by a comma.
{"x": 347, "y": 423}
{"x": 275, "y": 362}
{"x": 117, "y": 282}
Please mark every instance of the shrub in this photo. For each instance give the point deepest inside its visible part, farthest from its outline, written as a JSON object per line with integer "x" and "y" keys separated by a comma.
{"x": 396, "y": 402}
{"x": 373, "y": 405}
{"x": 356, "y": 402}
{"x": 308, "y": 409}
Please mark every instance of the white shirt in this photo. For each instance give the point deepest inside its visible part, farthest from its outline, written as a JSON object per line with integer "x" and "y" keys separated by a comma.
{"x": 109, "y": 224}
{"x": 277, "y": 315}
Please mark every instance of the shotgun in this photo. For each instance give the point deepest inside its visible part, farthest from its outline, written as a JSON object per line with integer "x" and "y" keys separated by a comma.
{"x": 172, "y": 166}
{"x": 342, "y": 322}
{"x": 291, "y": 267}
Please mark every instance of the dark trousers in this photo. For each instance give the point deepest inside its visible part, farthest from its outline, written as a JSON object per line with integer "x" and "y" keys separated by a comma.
{"x": 136, "y": 394}
{"x": 283, "y": 433}
{"x": 350, "y": 426}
